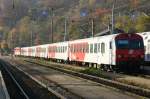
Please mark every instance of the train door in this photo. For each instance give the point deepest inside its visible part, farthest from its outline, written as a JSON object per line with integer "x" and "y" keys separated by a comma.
{"x": 148, "y": 50}
{"x": 110, "y": 53}
{"x": 98, "y": 55}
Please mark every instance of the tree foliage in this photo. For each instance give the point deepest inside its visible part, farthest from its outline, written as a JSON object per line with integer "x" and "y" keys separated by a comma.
{"x": 29, "y": 22}
{"x": 143, "y": 23}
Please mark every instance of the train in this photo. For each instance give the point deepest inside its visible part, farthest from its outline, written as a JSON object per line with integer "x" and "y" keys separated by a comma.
{"x": 109, "y": 52}
{"x": 146, "y": 38}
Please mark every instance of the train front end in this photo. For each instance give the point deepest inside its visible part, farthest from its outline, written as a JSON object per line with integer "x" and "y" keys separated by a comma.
{"x": 129, "y": 51}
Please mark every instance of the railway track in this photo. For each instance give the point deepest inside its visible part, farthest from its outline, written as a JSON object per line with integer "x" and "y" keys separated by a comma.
{"x": 13, "y": 82}
{"x": 21, "y": 86}
{"x": 124, "y": 87}
{"x": 38, "y": 69}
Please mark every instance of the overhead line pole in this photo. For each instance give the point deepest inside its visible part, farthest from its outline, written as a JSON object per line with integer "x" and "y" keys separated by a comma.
{"x": 113, "y": 7}
{"x": 13, "y": 7}
{"x": 52, "y": 15}
{"x": 65, "y": 35}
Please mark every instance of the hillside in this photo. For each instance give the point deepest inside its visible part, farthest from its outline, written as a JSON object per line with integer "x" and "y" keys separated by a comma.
{"x": 29, "y": 22}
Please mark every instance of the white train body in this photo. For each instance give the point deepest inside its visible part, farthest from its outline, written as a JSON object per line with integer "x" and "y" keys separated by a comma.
{"x": 58, "y": 51}
{"x": 24, "y": 51}
{"x": 109, "y": 50}
{"x": 93, "y": 50}
{"x": 17, "y": 51}
{"x": 146, "y": 38}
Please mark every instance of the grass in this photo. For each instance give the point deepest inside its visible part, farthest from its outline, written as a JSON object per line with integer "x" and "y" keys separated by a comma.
{"x": 95, "y": 72}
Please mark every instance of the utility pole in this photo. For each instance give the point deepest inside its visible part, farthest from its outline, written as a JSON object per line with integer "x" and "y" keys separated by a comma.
{"x": 92, "y": 21}
{"x": 52, "y": 15}
{"x": 65, "y": 35}
{"x": 113, "y": 7}
{"x": 31, "y": 37}
{"x": 12, "y": 41}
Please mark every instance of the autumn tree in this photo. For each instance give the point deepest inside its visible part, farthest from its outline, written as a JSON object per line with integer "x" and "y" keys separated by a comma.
{"x": 4, "y": 47}
{"x": 143, "y": 23}
{"x": 125, "y": 23}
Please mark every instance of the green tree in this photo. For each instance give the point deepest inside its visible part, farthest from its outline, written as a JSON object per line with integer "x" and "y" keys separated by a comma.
{"x": 125, "y": 23}
{"x": 143, "y": 23}
{"x": 4, "y": 47}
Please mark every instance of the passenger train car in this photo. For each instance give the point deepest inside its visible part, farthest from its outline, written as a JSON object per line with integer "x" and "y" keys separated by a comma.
{"x": 17, "y": 51}
{"x": 146, "y": 38}
{"x": 110, "y": 51}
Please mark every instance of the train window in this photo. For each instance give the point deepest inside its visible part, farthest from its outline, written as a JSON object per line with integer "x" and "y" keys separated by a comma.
{"x": 98, "y": 49}
{"x": 110, "y": 45}
{"x": 146, "y": 37}
{"x": 95, "y": 48}
{"x": 56, "y": 48}
{"x": 91, "y": 48}
{"x": 136, "y": 44}
{"x": 59, "y": 50}
{"x": 80, "y": 48}
{"x": 44, "y": 50}
{"x": 75, "y": 49}
{"x": 62, "y": 49}
{"x": 71, "y": 49}
{"x": 87, "y": 48}
{"x": 65, "y": 48}
{"x": 122, "y": 44}
{"x": 102, "y": 48}
{"x": 84, "y": 49}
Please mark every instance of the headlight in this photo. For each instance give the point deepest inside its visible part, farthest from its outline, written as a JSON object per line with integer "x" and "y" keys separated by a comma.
{"x": 119, "y": 56}
{"x": 142, "y": 56}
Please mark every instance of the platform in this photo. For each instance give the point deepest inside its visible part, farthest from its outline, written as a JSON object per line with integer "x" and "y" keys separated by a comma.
{"x": 3, "y": 90}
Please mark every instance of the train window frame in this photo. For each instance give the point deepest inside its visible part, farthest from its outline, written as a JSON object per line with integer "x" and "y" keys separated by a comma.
{"x": 99, "y": 47}
{"x": 57, "y": 49}
{"x": 91, "y": 48}
{"x": 110, "y": 45}
{"x": 61, "y": 49}
{"x": 102, "y": 47}
{"x": 75, "y": 48}
{"x": 95, "y": 47}
{"x": 87, "y": 48}
{"x": 80, "y": 47}
{"x": 72, "y": 47}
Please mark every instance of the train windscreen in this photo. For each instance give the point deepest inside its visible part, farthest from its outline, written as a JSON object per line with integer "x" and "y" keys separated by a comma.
{"x": 129, "y": 44}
